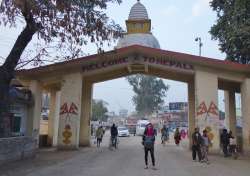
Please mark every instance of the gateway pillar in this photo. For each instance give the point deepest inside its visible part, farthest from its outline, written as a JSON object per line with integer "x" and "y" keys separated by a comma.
{"x": 207, "y": 113}
{"x": 70, "y": 112}
{"x": 56, "y": 120}
{"x": 34, "y": 117}
{"x": 245, "y": 100}
{"x": 86, "y": 114}
{"x": 191, "y": 111}
{"x": 230, "y": 111}
{"x": 51, "y": 120}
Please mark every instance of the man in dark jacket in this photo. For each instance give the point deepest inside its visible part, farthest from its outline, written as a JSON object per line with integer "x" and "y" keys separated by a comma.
{"x": 224, "y": 139}
{"x": 114, "y": 134}
{"x": 196, "y": 147}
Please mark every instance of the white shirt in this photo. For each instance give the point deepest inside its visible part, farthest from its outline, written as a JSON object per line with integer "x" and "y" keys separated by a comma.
{"x": 232, "y": 141}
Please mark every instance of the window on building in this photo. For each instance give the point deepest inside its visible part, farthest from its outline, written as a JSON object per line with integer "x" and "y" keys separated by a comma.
{"x": 15, "y": 124}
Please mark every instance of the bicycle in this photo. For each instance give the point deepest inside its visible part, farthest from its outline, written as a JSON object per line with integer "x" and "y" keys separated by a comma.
{"x": 233, "y": 149}
{"x": 113, "y": 142}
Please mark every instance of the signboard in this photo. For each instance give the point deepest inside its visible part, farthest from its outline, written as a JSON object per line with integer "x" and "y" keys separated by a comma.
{"x": 164, "y": 61}
{"x": 177, "y": 106}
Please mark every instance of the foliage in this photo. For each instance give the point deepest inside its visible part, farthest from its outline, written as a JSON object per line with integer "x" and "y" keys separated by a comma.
{"x": 149, "y": 93}
{"x": 69, "y": 22}
{"x": 67, "y": 19}
{"x": 72, "y": 22}
{"x": 233, "y": 28}
{"x": 99, "y": 110}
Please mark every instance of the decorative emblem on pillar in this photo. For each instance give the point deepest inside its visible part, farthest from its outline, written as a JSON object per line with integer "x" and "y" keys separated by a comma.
{"x": 67, "y": 135}
{"x": 69, "y": 110}
{"x": 202, "y": 109}
{"x": 210, "y": 135}
{"x": 212, "y": 110}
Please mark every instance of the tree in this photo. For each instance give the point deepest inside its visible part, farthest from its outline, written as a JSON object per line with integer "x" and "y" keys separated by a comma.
{"x": 68, "y": 21}
{"x": 233, "y": 28}
{"x": 149, "y": 93}
{"x": 99, "y": 110}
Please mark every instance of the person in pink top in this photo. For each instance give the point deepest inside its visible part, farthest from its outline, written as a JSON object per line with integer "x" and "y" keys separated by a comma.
{"x": 148, "y": 141}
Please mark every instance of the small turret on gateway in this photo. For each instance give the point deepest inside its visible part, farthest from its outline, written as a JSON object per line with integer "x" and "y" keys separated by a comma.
{"x": 138, "y": 29}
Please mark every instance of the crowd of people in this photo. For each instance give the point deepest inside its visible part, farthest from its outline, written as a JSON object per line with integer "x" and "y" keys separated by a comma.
{"x": 200, "y": 142}
{"x": 200, "y": 145}
{"x": 100, "y": 131}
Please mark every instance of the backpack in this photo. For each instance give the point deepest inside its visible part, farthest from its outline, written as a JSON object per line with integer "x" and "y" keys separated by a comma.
{"x": 149, "y": 142}
{"x": 164, "y": 132}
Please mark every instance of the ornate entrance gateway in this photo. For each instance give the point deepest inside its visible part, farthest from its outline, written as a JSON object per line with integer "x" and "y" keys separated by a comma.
{"x": 70, "y": 84}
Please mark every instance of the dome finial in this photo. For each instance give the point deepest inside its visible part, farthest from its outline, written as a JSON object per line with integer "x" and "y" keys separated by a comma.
{"x": 138, "y": 12}
{"x": 138, "y": 29}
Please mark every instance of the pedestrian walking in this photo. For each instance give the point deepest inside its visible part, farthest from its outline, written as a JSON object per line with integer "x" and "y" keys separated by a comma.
{"x": 232, "y": 145}
{"x": 148, "y": 141}
{"x": 183, "y": 134}
{"x": 224, "y": 139}
{"x": 196, "y": 147}
{"x": 177, "y": 136}
{"x": 164, "y": 134}
{"x": 113, "y": 138}
{"x": 92, "y": 130}
{"x": 99, "y": 135}
{"x": 204, "y": 146}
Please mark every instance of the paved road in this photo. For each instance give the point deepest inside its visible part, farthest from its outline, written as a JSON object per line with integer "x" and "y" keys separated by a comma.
{"x": 126, "y": 161}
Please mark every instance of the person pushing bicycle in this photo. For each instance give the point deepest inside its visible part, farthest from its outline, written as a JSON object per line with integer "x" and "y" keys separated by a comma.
{"x": 164, "y": 134}
{"x": 114, "y": 134}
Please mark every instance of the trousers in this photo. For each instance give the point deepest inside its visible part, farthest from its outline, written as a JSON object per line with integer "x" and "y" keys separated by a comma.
{"x": 196, "y": 149}
{"x": 151, "y": 150}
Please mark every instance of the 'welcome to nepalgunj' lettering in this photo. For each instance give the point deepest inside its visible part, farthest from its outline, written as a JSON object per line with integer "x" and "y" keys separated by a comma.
{"x": 166, "y": 62}
{"x": 149, "y": 60}
{"x": 104, "y": 64}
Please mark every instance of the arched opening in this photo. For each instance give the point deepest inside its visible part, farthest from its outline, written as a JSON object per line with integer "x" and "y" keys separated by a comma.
{"x": 118, "y": 94}
{"x": 173, "y": 117}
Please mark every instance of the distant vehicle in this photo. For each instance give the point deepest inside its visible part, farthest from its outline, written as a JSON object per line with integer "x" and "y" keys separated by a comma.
{"x": 140, "y": 127}
{"x": 132, "y": 130}
{"x": 123, "y": 132}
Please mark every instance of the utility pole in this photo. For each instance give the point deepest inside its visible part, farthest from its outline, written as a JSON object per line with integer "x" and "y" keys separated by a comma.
{"x": 198, "y": 39}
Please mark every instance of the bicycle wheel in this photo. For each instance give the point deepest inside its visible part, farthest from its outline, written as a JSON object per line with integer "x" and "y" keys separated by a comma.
{"x": 110, "y": 143}
{"x": 235, "y": 154}
{"x": 117, "y": 142}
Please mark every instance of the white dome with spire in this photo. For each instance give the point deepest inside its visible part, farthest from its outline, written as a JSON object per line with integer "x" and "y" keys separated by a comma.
{"x": 138, "y": 29}
{"x": 147, "y": 40}
{"x": 138, "y": 12}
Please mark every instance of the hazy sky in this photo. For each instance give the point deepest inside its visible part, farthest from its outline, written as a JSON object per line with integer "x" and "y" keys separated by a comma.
{"x": 175, "y": 23}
